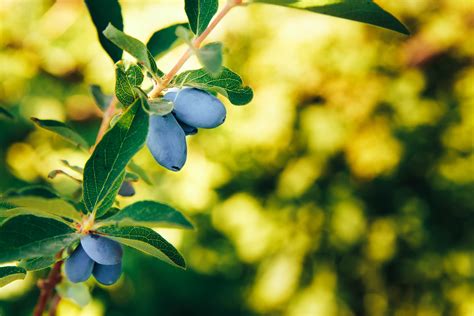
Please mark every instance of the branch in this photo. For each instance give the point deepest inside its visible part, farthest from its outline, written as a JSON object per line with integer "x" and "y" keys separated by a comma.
{"x": 47, "y": 287}
{"x": 196, "y": 44}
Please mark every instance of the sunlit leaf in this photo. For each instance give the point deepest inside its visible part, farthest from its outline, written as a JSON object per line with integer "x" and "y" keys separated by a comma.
{"x": 134, "y": 47}
{"x": 11, "y": 273}
{"x": 62, "y": 130}
{"x": 365, "y": 11}
{"x": 55, "y": 207}
{"x": 210, "y": 57}
{"x": 227, "y": 83}
{"x": 110, "y": 157}
{"x": 147, "y": 241}
{"x": 149, "y": 214}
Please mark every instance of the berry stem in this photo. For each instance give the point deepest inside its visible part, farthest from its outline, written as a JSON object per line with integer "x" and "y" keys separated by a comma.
{"x": 196, "y": 44}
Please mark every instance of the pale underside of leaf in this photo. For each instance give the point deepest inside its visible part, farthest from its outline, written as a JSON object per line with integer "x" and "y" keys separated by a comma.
{"x": 10, "y": 274}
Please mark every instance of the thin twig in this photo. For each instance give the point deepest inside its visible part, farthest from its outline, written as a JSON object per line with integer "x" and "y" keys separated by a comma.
{"x": 54, "y": 305}
{"x": 196, "y": 44}
{"x": 47, "y": 287}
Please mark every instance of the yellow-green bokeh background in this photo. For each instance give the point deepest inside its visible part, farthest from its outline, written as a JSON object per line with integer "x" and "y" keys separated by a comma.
{"x": 344, "y": 188}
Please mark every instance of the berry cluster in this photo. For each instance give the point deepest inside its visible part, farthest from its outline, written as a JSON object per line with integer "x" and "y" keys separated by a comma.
{"x": 193, "y": 109}
{"x": 96, "y": 255}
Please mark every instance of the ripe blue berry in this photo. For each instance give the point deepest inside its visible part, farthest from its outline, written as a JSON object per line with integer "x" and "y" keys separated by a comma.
{"x": 126, "y": 189}
{"x": 102, "y": 250}
{"x": 188, "y": 129}
{"x": 107, "y": 274}
{"x": 197, "y": 108}
{"x": 167, "y": 142}
{"x": 78, "y": 266}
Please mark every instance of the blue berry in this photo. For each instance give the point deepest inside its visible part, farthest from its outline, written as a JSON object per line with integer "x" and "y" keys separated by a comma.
{"x": 167, "y": 142}
{"x": 107, "y": 274}
{"x": 102, "y": 250}
{"x": 78, "y": 266}
{"x": 197, "y": 108}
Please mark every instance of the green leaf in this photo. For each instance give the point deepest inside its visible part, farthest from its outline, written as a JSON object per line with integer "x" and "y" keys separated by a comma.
{"x": 110, "y": 157}
{"x": 145, "y": 240}
{"x": 110, "y": 197}
{"x": 365, "y": 11}
{"x": 139, "y": 171}
{"x": 33, "y": 190}
{"x": 77, "y": 292}
{"x": 160, "y": 106}
{"x": 5, "y": 113}
{"x": 38, "y": 263}
{"x": 135, "y": 75}
{"x": 228, "y": 83}
{"x": 165, "y": 39}
{"x": 102, "y": 100}
{"x": 210, "y": 56}
{"x": 124, "y": 90}
{"x": 10, "y": 274}
{"x": 200, "y": 13}
{"x": 131, "y": 177}
{"x": 134, "y": 47}
{"x": 102, "y": 13}
{"x": 62, "y": 130}
{"x": 149, "y": 214}
{"x": 38, "y": 205}
{"x": 27, "y": 236}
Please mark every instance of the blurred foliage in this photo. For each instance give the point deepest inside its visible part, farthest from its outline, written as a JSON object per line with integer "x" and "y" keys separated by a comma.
{"x": 345, "y": 188}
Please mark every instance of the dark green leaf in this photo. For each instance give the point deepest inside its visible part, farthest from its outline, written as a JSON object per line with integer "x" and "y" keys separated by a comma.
{"x": 134, "y": 47}
{"x": 10, "y": 274}
{"x": 124, "y": 90}
{"x": 102, "y": 100}
{"x": 134, "y": 75}
{"x": 102, "y": 13}
{"x": 365, "y": 11}
{"x": 165, "y": 39}
{"x": 228, "y": 83}
{"x": 200, "y": 13}
{"x": 62, "y": 130}
{"x": 110, "y": 157}
{"x": 210, "y": 56}
{"x": 27, "y": 236}
{"x": 5, "y": 113}
{"x": 149, "y": 214}
{"x": 38, "y": 263}
{"x": 147, "y": 241}
{"x": 33, "y": 190}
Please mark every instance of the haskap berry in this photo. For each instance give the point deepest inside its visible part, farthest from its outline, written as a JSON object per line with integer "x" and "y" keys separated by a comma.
{"x": 167, "y": 142}
{"x": 197, "y": 108}
{"x": 107, "y": 274}
{"x": 79, "y": 266}
{"x": 96, "y": 255}
{"x": 126, "y": 189}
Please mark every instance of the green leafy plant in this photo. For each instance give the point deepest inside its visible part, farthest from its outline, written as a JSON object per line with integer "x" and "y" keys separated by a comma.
{"x": 40, "y": 229}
